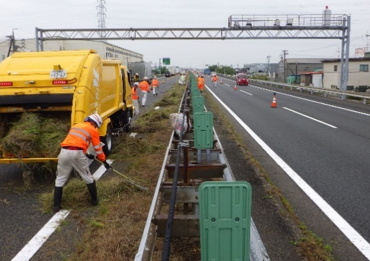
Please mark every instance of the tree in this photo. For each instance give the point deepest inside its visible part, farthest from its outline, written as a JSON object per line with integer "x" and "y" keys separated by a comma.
{"x": 163, "y": 69}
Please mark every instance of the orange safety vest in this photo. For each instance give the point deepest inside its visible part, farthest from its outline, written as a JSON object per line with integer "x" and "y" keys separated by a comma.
{"x": 80, "y": 135}
{"x": 144, "y": 86}
{"x": 200, "y": 83}
{"x": 214, "y": 78}
{"x": 134, "y": 95}
{"x": 155, "y": 83}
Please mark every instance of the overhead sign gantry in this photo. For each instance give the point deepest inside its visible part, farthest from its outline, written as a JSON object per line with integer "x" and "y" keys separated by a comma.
{"x": 240, "y": 27}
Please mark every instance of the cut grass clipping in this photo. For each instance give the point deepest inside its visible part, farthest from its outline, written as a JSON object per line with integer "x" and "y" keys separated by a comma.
{"x": 35, "y": 135}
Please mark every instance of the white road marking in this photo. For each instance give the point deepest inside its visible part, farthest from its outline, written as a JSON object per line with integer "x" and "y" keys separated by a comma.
{"x": 40, "y": 238}
{"x": 304, "y": 115}
{"x": 247, "y": 92}
{"x": 321, "y": 103}
{"x": 356, "y": 239}
{"x": 227, "y": 84}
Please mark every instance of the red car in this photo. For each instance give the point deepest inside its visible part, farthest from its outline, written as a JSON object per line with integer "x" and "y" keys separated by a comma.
{"x": 242, "y": 79}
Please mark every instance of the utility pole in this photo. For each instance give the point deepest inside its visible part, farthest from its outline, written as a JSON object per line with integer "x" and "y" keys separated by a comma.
{"x": 12, "y": 47}
{"x": 285, "y": 53}
{"x": 268, "y": 65}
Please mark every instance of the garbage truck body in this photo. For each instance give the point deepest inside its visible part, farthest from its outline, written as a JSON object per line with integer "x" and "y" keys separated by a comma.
{"x": 77, "y": 83}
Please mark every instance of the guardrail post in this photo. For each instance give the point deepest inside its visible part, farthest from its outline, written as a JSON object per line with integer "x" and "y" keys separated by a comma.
{"x": 364, "y": 101}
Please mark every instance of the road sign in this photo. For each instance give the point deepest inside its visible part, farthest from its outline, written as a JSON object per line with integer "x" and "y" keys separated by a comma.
{"x": 166, "y": 61}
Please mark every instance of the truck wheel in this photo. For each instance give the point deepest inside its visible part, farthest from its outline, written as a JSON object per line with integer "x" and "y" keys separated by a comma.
{"x": 127, "y": 120}
{"x": 107, "y": 140}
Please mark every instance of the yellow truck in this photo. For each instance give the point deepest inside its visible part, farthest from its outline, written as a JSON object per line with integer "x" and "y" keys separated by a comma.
{"x": 71, "y": 83}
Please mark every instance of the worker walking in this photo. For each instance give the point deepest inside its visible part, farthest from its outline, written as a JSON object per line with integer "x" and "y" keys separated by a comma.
{"x": 73, "y": 156}
{"x": 214, "y": 80}
{"x": 155, "y": 85}
{"x": 144, "y": 87}
{"x": 201, "y": 83}
{"x": 135, "y": 97}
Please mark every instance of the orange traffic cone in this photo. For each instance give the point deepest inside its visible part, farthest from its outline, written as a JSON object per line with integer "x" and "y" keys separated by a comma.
{"x": 274, "y": 104}
{"x": 235, "y": 88}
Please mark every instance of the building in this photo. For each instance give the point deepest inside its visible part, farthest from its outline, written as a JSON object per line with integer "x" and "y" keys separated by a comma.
{"x": 293, "y": 66}
{"x": 106, "y": 50}
{"x": 358, "y": 74}
{"x": 312, "y": 79}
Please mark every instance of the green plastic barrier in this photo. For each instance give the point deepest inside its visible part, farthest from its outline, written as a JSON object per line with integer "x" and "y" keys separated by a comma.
{"x": 225, "y": 219}
{"x": 203, "y": 130}
{"x": 197, "y": 103}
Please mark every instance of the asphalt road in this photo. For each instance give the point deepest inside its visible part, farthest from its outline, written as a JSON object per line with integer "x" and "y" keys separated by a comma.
{"x": 323, "y": 140}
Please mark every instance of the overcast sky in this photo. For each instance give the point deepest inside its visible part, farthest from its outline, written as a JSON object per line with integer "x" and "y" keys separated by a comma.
{"x": 26, "y": 15}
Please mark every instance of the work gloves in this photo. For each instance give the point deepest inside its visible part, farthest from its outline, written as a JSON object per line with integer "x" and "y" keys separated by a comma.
{"x": 106, "y": 164}
{"x": 90, "y": 156}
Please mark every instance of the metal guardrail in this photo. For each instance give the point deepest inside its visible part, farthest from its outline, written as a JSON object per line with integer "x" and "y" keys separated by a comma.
{"x": 258, "y": 251}
{"x": 341, "y": 94}
{"x": 312, "y": 90}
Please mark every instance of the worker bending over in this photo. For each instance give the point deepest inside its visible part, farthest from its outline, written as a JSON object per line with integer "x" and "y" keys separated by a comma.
{"x": 73, "y": 156}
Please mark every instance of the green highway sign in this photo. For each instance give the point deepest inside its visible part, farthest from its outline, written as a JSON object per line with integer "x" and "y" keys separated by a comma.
{"x": 166, "y": 61}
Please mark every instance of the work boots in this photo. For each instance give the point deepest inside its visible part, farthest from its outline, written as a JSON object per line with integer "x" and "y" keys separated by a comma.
{"x": 93, "y": 193}
{"x": 58, "y": 193}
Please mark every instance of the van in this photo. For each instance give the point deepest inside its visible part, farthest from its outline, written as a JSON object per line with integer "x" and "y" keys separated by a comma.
{"x": 242, "y": 79}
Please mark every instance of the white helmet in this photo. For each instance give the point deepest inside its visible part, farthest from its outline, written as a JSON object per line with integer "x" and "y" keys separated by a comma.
{"x": 136, "y": 83}
{"x": 154, "y": 77}
{"x": 95, "y": 118}
{"x": 145, "y": 78}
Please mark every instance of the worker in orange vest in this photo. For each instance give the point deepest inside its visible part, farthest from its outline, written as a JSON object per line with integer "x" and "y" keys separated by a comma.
{"x": 135, "y": 97}
{"x": 145, "y": 89}
{"x": 214, "y": 80}
{"x": 73, "y": 156}
{"x": 201, "y": 82}
{"x": 155, "y": 86}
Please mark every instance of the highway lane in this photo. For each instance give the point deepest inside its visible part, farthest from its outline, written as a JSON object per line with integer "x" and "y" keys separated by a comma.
{"x": 333, "y": 161}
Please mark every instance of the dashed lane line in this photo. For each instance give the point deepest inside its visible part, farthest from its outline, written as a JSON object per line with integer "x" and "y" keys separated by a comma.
{"x": 304, "y": 115}
{"x": 40, "y": 238}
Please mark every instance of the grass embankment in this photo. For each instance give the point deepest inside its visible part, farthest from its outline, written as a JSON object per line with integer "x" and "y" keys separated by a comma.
{"x": 114, "y": 230}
